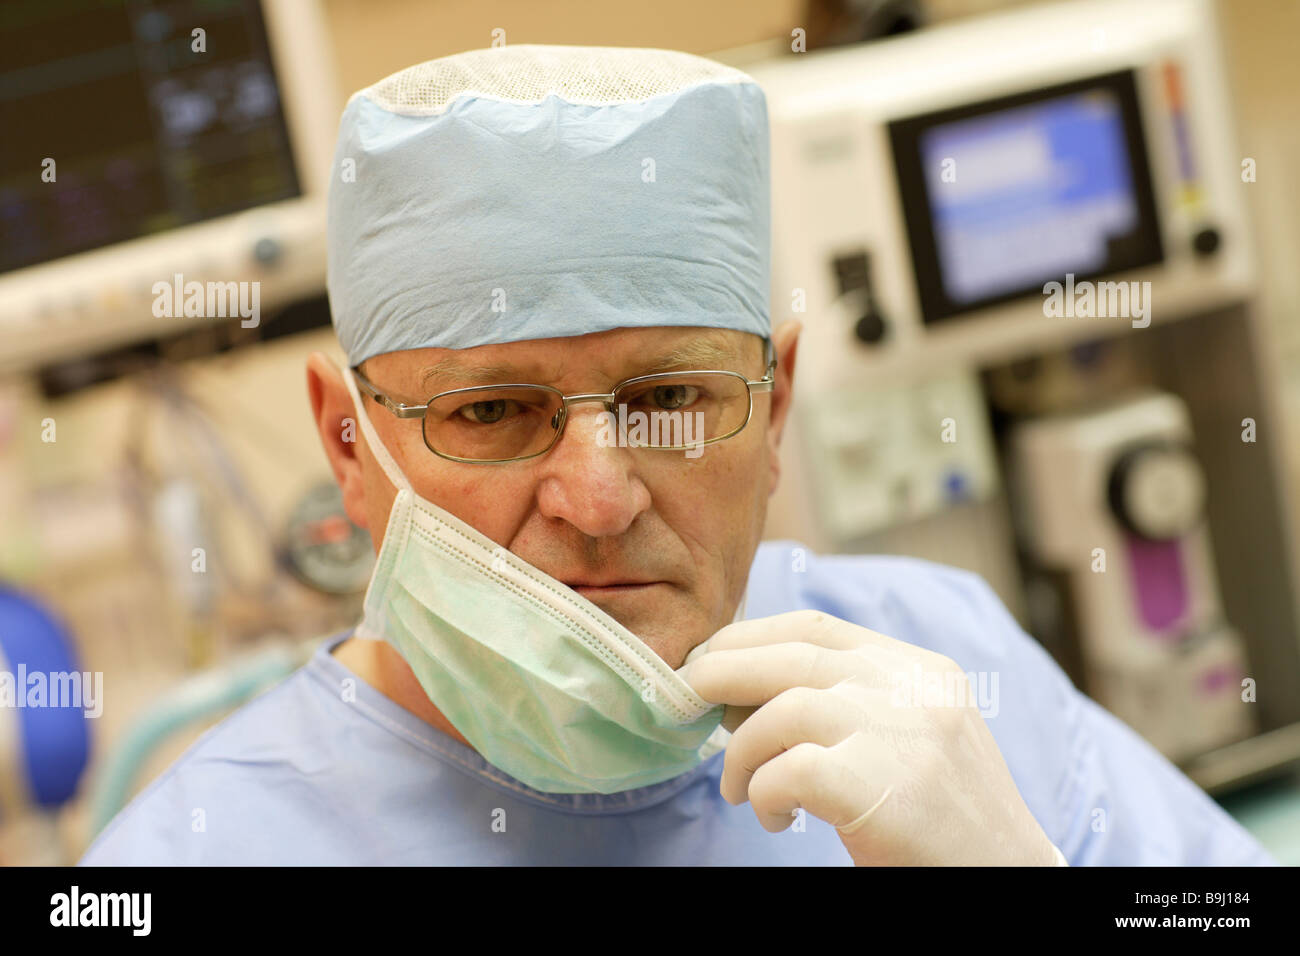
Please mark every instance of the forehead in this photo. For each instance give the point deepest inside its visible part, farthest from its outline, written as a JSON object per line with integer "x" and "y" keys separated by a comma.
{"x": 606, "y": 356}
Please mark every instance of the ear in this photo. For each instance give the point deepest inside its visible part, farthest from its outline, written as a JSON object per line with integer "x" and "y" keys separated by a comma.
{"x": 336, "y": 422}
{"x": 785, "y": 342}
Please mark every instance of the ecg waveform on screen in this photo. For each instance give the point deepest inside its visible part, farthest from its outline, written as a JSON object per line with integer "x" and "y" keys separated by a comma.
{"x": 146, "y": 133}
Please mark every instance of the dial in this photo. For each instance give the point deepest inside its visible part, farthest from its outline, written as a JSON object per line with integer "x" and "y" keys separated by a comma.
{"x": 326, "y": 550}
{"x": 1157, "y": 490}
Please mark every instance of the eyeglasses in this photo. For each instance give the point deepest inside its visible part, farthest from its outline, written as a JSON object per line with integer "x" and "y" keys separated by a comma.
{"x": 493, "y": 424}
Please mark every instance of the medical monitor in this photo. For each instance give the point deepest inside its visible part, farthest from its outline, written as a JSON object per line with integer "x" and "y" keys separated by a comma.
{"x": 145, "y": 141}
{"x": 1003, "y": 195}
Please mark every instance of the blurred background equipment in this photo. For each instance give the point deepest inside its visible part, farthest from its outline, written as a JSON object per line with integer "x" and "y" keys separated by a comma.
{"x": 324, "y": 548}
{"x": 161, "y": 210}
{"x": 1113, "y": 512}
{"x": 841, "y": 22}
{"x": 927, "y": 188}
{"x": 47, "y": 704}
{"x": 146, "y": 141}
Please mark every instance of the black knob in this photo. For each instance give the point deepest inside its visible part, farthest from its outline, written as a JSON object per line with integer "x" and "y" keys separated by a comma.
{"x": 267, "y": 251}
{"x": 852, "y": 271}
{"x": 1206, "y": 241}
{"x": 870, "y": 328}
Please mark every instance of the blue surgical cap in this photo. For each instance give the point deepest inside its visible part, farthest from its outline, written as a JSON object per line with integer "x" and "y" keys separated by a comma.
{"x": 531, "y": 192}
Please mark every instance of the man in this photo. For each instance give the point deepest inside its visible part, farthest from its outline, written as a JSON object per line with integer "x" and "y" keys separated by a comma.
{"x": 530, "y": 247}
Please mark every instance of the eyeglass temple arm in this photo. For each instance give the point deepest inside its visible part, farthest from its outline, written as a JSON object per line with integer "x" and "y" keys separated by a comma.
{"x": 397, "y": 408}
{"x": 766, "y": 383}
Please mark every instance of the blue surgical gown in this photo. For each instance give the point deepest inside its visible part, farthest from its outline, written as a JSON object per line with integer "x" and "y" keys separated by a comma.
{"x": 301, "y": 775}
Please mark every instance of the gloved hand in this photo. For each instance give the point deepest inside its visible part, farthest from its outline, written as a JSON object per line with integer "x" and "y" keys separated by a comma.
{"x": 818, "y": 722}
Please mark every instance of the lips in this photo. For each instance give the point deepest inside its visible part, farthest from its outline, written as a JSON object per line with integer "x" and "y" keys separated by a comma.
{"x": 611, "y": 587}
{"x": 620, "y": 583}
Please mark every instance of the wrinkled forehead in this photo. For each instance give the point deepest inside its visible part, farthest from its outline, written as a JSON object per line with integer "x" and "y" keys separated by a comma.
{"x": 605, "y": 358}
{"x": 529, "y": 193}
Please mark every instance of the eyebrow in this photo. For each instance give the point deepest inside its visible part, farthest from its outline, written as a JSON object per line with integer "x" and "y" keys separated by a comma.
{"x": 450, "y": 369}
{"x": 697, "y": 354}
{"x": 701, "y": 354}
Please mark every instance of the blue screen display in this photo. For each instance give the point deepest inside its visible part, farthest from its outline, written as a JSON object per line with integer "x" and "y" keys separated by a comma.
{"x": 1027, "y": 194}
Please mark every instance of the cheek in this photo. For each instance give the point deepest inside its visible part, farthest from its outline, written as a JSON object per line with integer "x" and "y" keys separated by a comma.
{"x": 721, "y": 491}
{"x": 743, "y": 497}
{"x": 745, "y": 465}
{"x": 494, "y": 503}
{"x": 379, "y": 502}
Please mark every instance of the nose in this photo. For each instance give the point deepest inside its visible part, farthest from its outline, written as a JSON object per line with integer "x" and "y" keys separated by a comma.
{"x": 593, "y": 487}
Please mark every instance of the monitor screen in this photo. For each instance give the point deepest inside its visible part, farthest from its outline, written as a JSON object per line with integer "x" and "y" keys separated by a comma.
{"x": 121, "y": 121}
{"x": 1001, "y": 197}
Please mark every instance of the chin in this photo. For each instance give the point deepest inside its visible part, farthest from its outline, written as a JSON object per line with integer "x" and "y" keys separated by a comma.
{"x": 671, "y": 643}
{"x": 667, "y": 623}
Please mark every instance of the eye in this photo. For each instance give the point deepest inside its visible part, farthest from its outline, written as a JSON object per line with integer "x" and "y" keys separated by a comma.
{"x": 490, "y": 412}
{"x": 674, "y": 396}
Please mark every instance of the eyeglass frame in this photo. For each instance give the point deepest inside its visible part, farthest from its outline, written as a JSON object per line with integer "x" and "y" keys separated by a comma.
{"x": 402, "y": 410}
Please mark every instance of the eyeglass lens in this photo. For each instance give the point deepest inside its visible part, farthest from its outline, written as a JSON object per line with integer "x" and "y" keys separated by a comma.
{"x": 499, "y": 424}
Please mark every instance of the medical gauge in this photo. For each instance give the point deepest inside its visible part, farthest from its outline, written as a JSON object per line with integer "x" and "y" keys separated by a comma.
{"x": 325, "y": 549}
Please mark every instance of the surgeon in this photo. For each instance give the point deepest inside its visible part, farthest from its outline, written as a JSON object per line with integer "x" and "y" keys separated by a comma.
{"x": 559, "y": 421}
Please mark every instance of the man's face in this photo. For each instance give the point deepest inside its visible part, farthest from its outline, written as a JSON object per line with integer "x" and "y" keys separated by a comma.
{"x": 660, "y": 540}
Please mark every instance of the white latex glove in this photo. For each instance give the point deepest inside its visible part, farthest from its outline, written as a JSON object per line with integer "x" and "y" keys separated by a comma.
{"x": 818, "y": 722}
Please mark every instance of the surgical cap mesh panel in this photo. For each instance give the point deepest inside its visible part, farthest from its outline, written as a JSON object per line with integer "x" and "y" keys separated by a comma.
{"x": 595, "y": 76}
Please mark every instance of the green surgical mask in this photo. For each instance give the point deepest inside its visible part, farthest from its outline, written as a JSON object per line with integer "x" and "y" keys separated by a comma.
{"x": 543, "y": 684}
